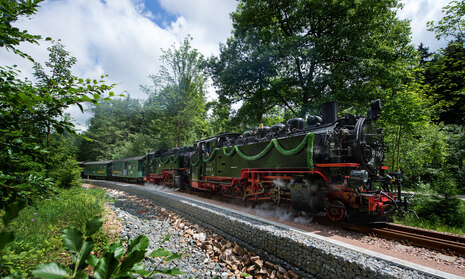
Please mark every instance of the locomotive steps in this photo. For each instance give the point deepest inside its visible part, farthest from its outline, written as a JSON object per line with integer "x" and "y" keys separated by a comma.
{"x": 311, "y": 254}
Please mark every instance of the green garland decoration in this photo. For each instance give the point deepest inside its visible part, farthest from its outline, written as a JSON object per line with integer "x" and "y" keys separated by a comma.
{"x": 211, "y": 156}
{"x": 306, "y": 142}
{"x": 194, "y": 164}
{"x": 171, "y": 159}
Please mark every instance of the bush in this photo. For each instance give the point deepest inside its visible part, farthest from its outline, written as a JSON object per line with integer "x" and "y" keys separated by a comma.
{"x": 62, "y": 166}
{"x": 37, "y": 229}
{"x": 29, "y": 186}
{"x": 442, "y": 211}
{"x": 115, "y": 262}
{"x": 66, "y": 175}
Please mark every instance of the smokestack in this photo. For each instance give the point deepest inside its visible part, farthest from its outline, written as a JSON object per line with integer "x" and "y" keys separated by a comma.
{"x": 329, "y": 111}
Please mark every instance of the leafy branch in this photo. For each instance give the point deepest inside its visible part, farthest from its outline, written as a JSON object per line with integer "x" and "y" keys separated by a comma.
{"x": 115, "y": 262}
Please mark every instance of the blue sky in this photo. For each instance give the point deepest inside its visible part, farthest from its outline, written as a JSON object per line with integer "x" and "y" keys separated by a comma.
{"x": 124, "y": 38}
{"x": 160, "y": 16}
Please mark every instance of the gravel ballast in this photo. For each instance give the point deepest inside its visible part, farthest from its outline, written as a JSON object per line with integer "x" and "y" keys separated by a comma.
{"x": 137, "y": 217}
{"x": 307, "y": 254}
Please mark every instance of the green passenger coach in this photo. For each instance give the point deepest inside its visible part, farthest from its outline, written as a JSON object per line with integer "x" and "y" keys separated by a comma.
{"x": 97, "y": 169}
{"x": 129, "y": 169}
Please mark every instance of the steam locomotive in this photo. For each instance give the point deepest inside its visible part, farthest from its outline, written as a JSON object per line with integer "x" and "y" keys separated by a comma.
{"x": 328, "y": 164}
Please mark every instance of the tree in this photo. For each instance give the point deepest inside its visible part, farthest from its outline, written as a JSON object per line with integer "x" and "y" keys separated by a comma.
{"x": 445, "y": 78}
{"x": 30, "y": 112}
{"x": 453, "y": 23}
{"x": 117, "y": 129}
{"x": 405, "y": 114}
{"x": 246, "y": 72}
{"x": 445, "y": 74}
{"x": 59, "y": 65}
{"x": 11, "y": 37}
{"x": 176, "y": 102}
{"x": 315, "y": 51}
{"x": 218, "y": 118}
{"x": 456, "y": 158}
{"x": 424, "y": 53}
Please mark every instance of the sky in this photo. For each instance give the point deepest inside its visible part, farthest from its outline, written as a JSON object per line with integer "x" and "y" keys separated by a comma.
{"x": 124, "y": 38}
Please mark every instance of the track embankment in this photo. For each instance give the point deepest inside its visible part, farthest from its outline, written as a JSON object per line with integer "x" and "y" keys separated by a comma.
{"x": 312, "y": 255}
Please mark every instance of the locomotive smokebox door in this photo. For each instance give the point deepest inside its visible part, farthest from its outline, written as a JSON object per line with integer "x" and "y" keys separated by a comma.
{"x": 306, "y": 197}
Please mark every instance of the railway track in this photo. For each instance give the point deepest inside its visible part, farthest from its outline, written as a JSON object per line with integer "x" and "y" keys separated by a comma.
{"x": 446, "y": 243}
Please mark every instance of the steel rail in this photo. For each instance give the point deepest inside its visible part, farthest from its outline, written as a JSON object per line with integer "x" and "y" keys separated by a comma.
{"x": 449, "y": 244}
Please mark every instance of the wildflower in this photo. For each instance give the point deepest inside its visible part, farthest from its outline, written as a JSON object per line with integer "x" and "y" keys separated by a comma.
{"x": 35, "y": 213}
{"x": 33, "y": 220}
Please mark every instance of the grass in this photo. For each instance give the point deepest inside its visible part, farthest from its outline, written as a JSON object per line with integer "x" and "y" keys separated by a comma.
{"x": 428, "y": 225}
{"x": 38, "y": 229}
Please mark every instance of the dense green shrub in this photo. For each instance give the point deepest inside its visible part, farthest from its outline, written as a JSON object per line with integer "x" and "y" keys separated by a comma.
{"x": 37, "y": 229}
{"x": 436, "y": 213}
{"x": 117, "y": 261}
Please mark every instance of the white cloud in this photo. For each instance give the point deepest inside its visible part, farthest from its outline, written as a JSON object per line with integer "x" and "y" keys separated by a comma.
{"x": 208, "y": 21}
{"x": 419, "y": 12}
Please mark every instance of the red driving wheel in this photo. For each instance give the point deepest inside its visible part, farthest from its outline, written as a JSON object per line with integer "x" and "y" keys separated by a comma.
{"x": 249, "y": 194}
{"x": 336, "y": 213}
{"x": 237, "y": 192}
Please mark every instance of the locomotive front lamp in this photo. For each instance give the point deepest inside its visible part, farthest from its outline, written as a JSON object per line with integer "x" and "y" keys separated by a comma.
{"x": 359, "y": 176}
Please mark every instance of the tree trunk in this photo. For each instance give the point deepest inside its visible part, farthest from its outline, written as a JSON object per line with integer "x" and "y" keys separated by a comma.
{"x": 398, "y": 147}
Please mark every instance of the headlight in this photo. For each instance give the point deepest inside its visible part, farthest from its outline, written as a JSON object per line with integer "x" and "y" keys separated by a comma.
{"x": 359, "y": 175}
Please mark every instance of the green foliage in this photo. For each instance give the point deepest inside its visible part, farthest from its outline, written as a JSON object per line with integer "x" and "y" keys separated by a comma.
{"x": 445, "y": 73}
{"x": 293, "y": 54}
{"x": 444, "y": 81}
{"x": 115, "y": 261}
{"x": 30, "y": 114}
{"x": 218, "y": 117}
{"x": 244, "y": 72}
{"x": 7, "y": 237}
{"x": 173, "y": 115}
{"x": 118, "y": 129}
{"x": 38, "y": 228}
{"x": 38, "y": 241}
{"x": 453, "y": 23}
{"x": 62, "y": 166}
{"x": 11, "y": 36}
{"x": 408, "y": 132}
{"x": 176, "y": 104}
{"x": 59, "y": 64}
{"x": 456, "y": 154}
{"x": 438, "y": 213}
{"x": 29, "y": 186}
